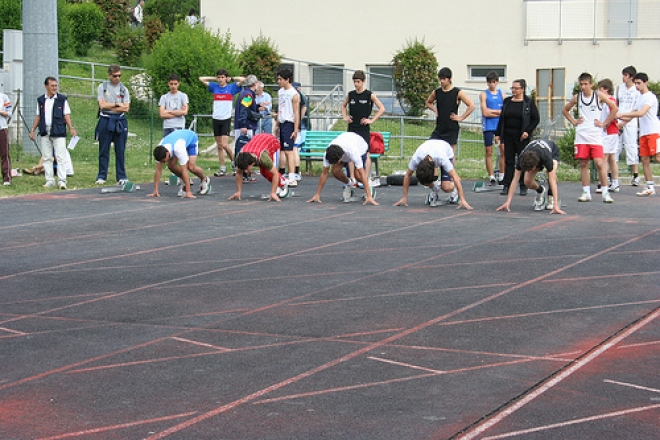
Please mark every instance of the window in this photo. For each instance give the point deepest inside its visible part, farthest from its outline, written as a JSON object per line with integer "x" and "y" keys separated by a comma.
{"x": 326, "y": 78}
{"x": 380, "y": 78}
{"x": 478, "y": 73}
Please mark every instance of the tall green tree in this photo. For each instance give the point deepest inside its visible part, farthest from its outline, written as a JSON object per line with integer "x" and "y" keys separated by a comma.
{"x": 191, "y": 53}
{"x": 117, "y": 14}
{"x": 415, "y": 76}
{"x": 86, "y": 23}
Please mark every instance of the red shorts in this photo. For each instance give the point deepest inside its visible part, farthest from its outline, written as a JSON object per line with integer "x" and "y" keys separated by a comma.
{"x": 648, "y": 145}
{"x": 588, "y": 151}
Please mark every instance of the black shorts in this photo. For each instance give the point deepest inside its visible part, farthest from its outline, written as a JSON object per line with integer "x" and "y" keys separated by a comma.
{"x": 221, "y": 127}
{"x": 286, "y": 131}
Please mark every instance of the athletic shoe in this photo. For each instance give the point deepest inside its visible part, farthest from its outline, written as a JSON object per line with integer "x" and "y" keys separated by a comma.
{"x": 607, "y": 198}
{"x": 249, "y": 179}
{"x": 122, "y": 182}
{"x": 647, "y": 192}
{"x": 550, "y": 204}
{"x": 585, "y": 197}
{"x": 505, "y": 190}
{"x": 6, "y": 183}
{"x": 453, "y": 199}
{"x": 62, "y": 185}
{"x": 100, "y": 182}
{"x": 599, "y": 190}
{"x": 346, "y": 194}
{"x": 374, "y": 182}
{"x": 297, "y": 176}
{"x": 540, "y": 200}
{"x": 181, "y": 191}
{"x": 205, "y": 186}
{"x": 613, "y": 189}
{"x": 493, "y": 182}
{"x": 635, "y": 181}
{"x": 221, "y": 173}
{"x": 523, "y": 190}
{"x": 432, "y": 199}
{"x": 50, "y": 184}
{"x": 282, "y": 191}
{"x": 292, "y": 183}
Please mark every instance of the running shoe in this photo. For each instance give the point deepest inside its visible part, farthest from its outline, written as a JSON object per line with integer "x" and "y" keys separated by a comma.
{"x": 585, "y": 197}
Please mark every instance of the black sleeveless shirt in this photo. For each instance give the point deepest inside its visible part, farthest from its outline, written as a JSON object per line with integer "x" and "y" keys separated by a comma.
{"x": 446, "y": 103}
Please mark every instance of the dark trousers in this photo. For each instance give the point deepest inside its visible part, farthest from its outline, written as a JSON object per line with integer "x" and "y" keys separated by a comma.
{"x": 4, "y": 156}
{"x": 107, "y": 137}
{"x": 512, "y": 148}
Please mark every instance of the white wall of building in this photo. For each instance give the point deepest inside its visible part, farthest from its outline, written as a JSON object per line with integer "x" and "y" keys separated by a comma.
{"x": 463, "y": 33}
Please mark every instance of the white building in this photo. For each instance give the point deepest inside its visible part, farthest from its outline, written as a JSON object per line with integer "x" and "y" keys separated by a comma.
{"x": 516, "y": 37}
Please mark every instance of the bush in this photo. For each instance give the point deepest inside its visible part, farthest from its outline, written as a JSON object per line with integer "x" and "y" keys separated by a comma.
{"x": 117, "y": 14}
{"x": 130, "y": 45}
{"x": 655, "y": 88}
{"x": 415, "y": 76}
{"x": 154, "y": 28}
{"x": 86, "y": 23}
{"x": 191, "y": 52}
{"x": 566, "y": 146}
{"x": 260, "y": 58}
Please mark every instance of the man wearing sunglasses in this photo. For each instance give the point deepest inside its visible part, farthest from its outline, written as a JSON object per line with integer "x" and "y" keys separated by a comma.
{"x": 112, "y": 127}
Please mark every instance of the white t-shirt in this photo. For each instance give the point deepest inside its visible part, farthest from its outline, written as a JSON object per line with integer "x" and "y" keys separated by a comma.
{"x": 589, "y": 110}
{"x": 627, "y": 98}
{"x": 174, "y": 102}
{"x": 5, "y": 106}
{"x": 354, "y": 148}
{"x": 649, "y": 123}
{"x": 440, "y": 151}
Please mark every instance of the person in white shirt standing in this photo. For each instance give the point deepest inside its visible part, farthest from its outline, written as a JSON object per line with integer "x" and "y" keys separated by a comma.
{"x": 627, "y": 96}
{"x": 5, "y": 112}
{"x": 649, "y": 129}
{"x": 53, "y": 116}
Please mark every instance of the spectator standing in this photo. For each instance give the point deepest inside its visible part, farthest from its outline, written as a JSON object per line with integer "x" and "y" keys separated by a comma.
{"x": 518, "y": 120}
{"x": 5, "y": 160}
{"x": 112, "y": 126}
{"x": 223, "y": 90}
{"x": 627, "y": 96}
{"x": 492, "y": 100}
{"x": 444, "y": 102}
{"x": 52, "y": 118}
{"x": 589, "y": 133}
{"x": 191, "y": 18}
{"x": 646, "y": 110}
{"x": 138, "y": 14}
{"x": 265, "y": 105}
{"x": 173, "y": 106}
{"x": 356, "y": 111}
{"x": 288, "y": 121}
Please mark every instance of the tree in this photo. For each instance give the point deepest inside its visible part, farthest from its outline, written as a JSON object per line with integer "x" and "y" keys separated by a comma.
{"x": 170, "y": 12}
{"x": 415, "y": 76}
{"x": 260, "y": 58}
{"x": 117, "y": 15}
{"x": 86, "y": 22}
{"x": 191, "y": 52}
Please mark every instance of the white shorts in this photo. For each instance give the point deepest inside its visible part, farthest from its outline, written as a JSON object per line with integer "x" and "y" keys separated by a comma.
{"x": 611, "y": 144}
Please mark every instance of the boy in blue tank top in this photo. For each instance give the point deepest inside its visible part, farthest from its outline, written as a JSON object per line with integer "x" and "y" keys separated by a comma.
{"x": 491, "y": 101}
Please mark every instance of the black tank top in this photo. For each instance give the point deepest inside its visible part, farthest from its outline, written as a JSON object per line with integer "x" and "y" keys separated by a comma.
{"x": 446, "y": 103}
{"x": 359, "y": 107}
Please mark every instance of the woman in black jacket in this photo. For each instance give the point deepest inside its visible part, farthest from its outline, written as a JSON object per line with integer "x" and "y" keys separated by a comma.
{"x": 518, "y": 121}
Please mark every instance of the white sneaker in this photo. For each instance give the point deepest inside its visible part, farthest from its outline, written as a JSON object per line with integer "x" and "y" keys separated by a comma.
{"x": 550, "y": 204}
{"x": 585, "y": 197}
{"x": 375, "y": 182}
{"x": 6, "y": 183}
{"x": 635, "y": 181}
{"x": 62, "y": 185}
{"x": 540, "y": 200}
{"x": 122, "y": 182}
{"x": 607, "y": 198}
{"x": 100, "y": 182}
{"x": 282, "y": 191}
{"x": 599, "y": 190}
{"x": 647, "y": 192}
{"x": 49, "y": 184}
{"x": 432, "y": 199}
{"x": 292, "y": 182}
{"x": 181, "y": 191}
{"x": 205, "y": 187}
{"x": 613, "y": 189}
{"x": 297, "y": 176}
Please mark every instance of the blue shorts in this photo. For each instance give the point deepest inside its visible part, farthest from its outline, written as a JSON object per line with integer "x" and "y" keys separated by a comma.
{"x": 286, "y": 130}
{"x": 488, "y": 138}
{"x": 190, "y": 149}
{"x": 444, "y": 177}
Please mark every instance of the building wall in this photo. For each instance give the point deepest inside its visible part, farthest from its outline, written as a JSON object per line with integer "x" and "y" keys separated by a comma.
{"x": 463, "y": 33}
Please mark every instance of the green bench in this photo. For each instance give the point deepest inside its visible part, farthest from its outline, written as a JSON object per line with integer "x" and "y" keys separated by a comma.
{"x": 317, "y": 141}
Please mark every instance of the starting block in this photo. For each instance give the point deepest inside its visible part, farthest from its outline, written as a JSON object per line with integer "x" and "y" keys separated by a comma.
{"x": 128, "y": 187}
{"x": 483, "y": 187}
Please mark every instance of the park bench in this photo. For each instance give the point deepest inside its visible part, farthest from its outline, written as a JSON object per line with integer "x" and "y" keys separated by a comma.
{"x": 317, "y": 141}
